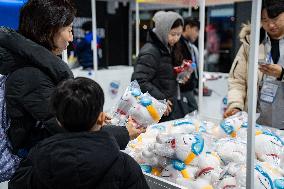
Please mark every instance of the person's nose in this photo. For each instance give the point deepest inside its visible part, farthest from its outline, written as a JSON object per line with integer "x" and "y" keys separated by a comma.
{"x": 70, "y": 39}
{"x": 176, "y": 39}
{"x": 271, "y": 25}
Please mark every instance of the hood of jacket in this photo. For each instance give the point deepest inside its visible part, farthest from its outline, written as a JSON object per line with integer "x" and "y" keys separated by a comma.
{"x": 16, "y": 51}
{"x": 87, "y": 155}
{"x": 154, "y": 39}
{"x": 245, "y": 34}
{"x": 163, "y": 24}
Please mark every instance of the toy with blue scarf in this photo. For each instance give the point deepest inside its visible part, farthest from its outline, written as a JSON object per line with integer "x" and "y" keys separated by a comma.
{"x": 130, "y": 97}
{"x": 230, "y": 126}
{"x": 188, "y": 147}
{"x": 147, "y": 111}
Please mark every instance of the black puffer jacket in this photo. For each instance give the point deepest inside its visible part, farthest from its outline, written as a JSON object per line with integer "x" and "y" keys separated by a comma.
{"x": 33, "y": 73}
{"x": 154, "y": 69}
{"x": 78, "y": 161}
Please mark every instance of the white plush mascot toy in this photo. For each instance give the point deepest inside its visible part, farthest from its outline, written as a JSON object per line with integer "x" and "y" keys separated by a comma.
{"x": 148, "y": 111}
{"x": 268, "y": 147}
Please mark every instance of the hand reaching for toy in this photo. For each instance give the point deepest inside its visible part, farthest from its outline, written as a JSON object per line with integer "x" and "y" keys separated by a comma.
{"x": 169, "y": 108}
{"x": 133, "y": 129}
{"x": 231, "y": 112}
{"x": 107, "y": 119}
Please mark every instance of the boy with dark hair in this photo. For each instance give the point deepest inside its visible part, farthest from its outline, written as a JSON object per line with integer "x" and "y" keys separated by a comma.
{"x": 84, "y": 157}
{"x": 191, "y": 29}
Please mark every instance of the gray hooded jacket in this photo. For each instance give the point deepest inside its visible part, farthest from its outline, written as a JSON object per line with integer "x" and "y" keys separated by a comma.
{"x": 154, "y": 66}
{"x": 163, "y": 24}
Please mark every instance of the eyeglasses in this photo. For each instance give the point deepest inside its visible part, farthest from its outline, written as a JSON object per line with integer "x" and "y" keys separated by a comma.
{"x": 275, "y": 20}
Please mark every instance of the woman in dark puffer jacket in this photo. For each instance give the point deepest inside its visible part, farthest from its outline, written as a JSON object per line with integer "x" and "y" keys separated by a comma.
{"x": 154, "y": 69}
{"x": 33, "y": 68}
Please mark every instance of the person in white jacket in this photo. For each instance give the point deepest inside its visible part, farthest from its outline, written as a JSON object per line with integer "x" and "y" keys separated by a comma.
{"x": 270, "y": 74}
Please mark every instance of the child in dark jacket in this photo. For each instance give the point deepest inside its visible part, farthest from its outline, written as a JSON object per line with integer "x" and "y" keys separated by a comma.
{"x": 85, "y": 157}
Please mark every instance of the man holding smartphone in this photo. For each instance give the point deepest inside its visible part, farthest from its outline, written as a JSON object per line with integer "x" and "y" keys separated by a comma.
{"x": 271, "y": 63}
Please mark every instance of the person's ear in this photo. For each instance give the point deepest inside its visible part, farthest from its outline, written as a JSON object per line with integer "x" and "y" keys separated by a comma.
{"x": 101, "y": 119}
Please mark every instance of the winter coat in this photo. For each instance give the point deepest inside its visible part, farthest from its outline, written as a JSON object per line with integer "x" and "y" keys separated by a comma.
{"x": 84, "y": 160}
{"x": 238, "y": 76}
{"x": 186, "y": 54}
{"x": 154, "y": 69}
{"x": 33, "y": 73}
{"x": 84, "y": 51}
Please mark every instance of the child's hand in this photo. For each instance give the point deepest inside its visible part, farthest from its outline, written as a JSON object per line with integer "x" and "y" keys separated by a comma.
{"x": 133, "y": 129}
{"x": 169, "y": 108}
{"x": 107, "y": 119}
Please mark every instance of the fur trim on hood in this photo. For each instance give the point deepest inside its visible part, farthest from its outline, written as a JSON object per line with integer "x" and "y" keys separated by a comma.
{"x": 245, "y": 33}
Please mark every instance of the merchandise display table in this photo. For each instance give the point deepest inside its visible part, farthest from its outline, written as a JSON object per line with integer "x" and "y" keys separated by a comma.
{"x": 212, "y": 105}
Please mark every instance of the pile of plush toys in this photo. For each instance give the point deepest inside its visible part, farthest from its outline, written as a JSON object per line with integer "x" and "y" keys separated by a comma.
{"x": 202, "y": 155}
{"x": 142, "y": 108}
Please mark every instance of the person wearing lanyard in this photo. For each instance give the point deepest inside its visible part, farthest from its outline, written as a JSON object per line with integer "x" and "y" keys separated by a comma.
{"x": 270, "y": 75}
{"x": 187, "y": 51}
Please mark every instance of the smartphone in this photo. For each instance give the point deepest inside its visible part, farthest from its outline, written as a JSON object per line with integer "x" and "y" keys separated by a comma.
{"x": 262, "y": 61}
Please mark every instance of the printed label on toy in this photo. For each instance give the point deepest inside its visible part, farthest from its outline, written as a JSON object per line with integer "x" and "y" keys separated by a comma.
{"x": 227, "y": 128}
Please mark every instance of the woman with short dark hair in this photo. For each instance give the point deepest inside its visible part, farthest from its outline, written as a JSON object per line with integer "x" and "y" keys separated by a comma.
{"x": 34, "y": 70}
{"x": 42, "y": 21}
